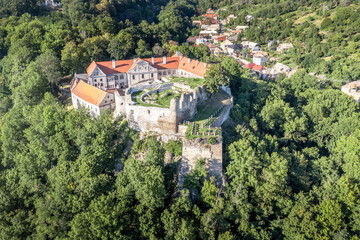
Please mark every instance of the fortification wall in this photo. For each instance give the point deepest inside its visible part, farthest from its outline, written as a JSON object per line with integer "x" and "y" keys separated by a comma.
{"x": 188, "y": 103}
{"x": 156, "y": 119}
{"x": 194, "y": 150}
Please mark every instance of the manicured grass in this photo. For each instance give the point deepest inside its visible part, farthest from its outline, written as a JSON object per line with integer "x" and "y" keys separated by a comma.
{"x": 191, "y": 82}
{"x": 162, "y": 99}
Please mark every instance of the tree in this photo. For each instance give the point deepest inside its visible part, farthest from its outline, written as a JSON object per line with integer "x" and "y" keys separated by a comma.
{"x": 214, "y": 78}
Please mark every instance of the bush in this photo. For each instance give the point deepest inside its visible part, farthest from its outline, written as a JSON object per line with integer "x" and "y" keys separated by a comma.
{"x": 211, "y": 140}
{"x": 174, "y": 147}
{"x": 327, "y": 22}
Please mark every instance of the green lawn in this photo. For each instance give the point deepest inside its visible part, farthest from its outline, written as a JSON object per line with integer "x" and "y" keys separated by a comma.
{"x": 192, "y": 82}
{"x": 162, "y": 99}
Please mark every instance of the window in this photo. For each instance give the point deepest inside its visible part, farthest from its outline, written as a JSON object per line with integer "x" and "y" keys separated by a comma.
{"x": 142, "y": 76}
{"x": 148, "y": 111}
{"x": 116, "y": 77}
{"x": 133, "y": 76}
{"x": 101, "y": 84}
{"x": 108, "y": 96}
{"x": 95, "y": 85}
{"x": 100, "y": 79}
{"x": 152, "y": 75}
{"x": 121, "y": 76}
{"x": 94, "y": 80}
{"x": 105, "y": 101}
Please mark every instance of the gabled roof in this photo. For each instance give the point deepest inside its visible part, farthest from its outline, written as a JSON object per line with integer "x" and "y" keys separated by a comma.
{"x": 250, "y": 65}
{"x": 124, "y": 66}
{"x": 257, "y": 67}
{"x": 88, "y": 93}
{"x": 198, "y": 69}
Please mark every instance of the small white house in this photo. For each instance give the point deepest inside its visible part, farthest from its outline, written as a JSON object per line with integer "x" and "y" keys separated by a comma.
{"x": 260, "y": 58}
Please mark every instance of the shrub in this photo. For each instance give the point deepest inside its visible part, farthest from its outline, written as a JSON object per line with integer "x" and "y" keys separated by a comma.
{"x": 326, "y": 23}
{"x": 174, "y": 147}
{"x": 211, "y": 140}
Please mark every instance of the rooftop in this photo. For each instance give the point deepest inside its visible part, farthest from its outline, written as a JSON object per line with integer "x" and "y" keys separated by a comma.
{"x": 88, "y": 93}
{"x": 123, "y": 66}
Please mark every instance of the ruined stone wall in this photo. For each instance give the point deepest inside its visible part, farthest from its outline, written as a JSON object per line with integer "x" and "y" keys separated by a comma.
{"x": 188, "y": 103}
{"x": 156, "y": 119}
{"x": 194, "y": 150}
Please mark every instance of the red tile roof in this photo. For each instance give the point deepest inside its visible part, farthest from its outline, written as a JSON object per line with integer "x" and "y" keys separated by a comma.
{"x": 88, "y": 93}
{"x": 253, "y": 66}
{"x": 249, "y": 65}
{"x": 198, "y": 69}
{"x": 221, "y": 38}
{"x": 124, "y": 66}
{"x": 257, "y": 67}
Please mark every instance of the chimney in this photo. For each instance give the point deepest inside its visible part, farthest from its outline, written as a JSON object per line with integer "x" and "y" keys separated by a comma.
{"x": 113, "y": 63}
{"x": 181, "y": 57}
{"x": 178, "y": 53}
{"x": 197, "y": 62}
{"x": 164, "y": 60}
{"x": 134, "y": 60}
{"x": 205, "y": 65}
{"x": 152, "y": 60}
{"x": 189, "y": 60}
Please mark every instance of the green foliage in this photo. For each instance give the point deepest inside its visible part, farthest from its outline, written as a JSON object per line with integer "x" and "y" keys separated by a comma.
{"x": 174, "y": 147}
{"x": 326, "y": 23}
{"x": 290, "y": 152}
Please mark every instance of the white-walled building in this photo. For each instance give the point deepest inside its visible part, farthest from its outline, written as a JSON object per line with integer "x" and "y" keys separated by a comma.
{"x": 95, "y": 90}
{"x": 260, "y": 58}
{"x": 91, "y": 98}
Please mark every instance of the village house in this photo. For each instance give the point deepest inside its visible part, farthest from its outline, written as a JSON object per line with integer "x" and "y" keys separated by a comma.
{"x": 260, "y": 58}
{"x": 253, "y": 46}
{"x": 210, "y": 14}
{"x": 201, "y": 40}
{"x": 248, "y": 18}
{"x": 208, "y": 32}
{"x": 283, "y": 46}
{"x": 352, "y": 89}
{"x": 229, "y": 47}
{"x": 282, "y": 68}
{"x": 231, "y": 16}
{"x": 218, "y": 51}
{"x": 241, "y": 28}
{"x": 211, "y": 46}
{"x": 220, "y": 39}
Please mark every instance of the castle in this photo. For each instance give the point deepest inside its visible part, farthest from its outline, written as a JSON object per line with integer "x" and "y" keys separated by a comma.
{"x": 114, "y": 85}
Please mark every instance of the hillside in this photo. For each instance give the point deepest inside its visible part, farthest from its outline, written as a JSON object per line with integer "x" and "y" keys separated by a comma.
{"x": 291, "y": 149}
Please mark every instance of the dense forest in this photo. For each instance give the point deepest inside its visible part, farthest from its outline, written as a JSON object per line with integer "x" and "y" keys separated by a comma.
{"x": 291, "y": 147}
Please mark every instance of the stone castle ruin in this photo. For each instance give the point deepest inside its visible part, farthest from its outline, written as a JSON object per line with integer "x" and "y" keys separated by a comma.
{"x": 159, "y": 119}
{"x": 159, "y": 96}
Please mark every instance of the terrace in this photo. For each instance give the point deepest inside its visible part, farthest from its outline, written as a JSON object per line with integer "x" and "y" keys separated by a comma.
{"x": 203, "y": 124}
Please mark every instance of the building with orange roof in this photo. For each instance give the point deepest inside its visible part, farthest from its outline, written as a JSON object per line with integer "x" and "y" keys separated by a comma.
{"x": 125, "y": 73}
{"x": 91, "y": 98}
{"x": 95, "y": 89}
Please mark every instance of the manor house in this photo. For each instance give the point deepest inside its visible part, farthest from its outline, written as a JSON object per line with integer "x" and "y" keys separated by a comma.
{"x": 113, "y": 84}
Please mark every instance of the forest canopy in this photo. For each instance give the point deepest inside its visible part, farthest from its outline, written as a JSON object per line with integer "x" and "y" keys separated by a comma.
{"x": 291, "y": 148}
